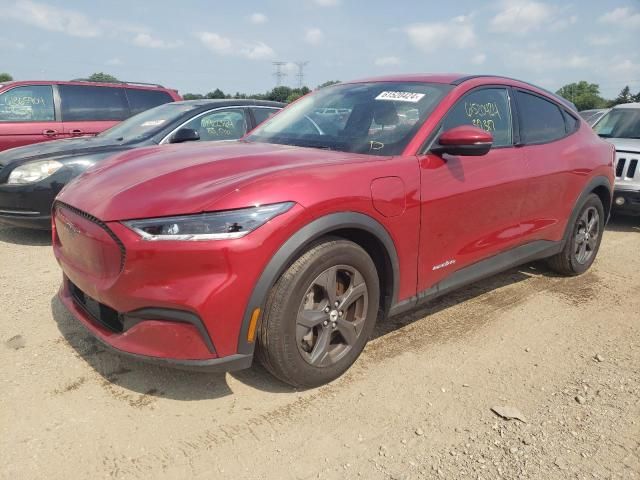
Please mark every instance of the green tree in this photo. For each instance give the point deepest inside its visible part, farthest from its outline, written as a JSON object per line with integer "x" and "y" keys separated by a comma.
{"x": 102, "y": 77}
{"x": 192, "y": 96}
{"x": 636, "y": 97}
{"x": 328, "y": 83}
{"x": 217, "y": 93}
{"x": 625, "y": 96}
{"x": 279, "y": 94}
{"x": 5, "y": 77}
{"x": 583, "y": 94}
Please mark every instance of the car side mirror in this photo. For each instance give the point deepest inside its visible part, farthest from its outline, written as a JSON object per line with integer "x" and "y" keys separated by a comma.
{"x": 463, "y": 140}
{"x": 185, "y": 135}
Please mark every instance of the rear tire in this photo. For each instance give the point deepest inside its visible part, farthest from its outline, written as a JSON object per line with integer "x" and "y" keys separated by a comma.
{"x": 583, "y": 243}
{"x": 319, "y": 314}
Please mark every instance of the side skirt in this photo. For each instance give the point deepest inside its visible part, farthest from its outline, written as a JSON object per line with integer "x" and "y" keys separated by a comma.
{"x": 478, "y": 271}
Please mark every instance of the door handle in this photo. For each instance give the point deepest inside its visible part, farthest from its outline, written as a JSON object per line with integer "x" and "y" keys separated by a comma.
{"x": 76, "y": 132}
{"x": 50, "y": 133}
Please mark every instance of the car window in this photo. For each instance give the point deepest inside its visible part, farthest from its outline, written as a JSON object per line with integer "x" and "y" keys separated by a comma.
{"x": 620, "y": 123}
{"x": 86, "y": 103}
{"x": 227, "y": 124}
{"x": 261, "y": 114}
{"x": 571, "y": 122}
{"x": 488, "y": 109}
{"x": 32, "y": 103}
{"x": 141, "y": 100}
{"x": 541, "y": 121}
{"x": 375, "y": 118}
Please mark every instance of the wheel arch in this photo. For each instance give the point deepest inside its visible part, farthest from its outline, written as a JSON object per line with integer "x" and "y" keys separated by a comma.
{"x": 359, "y": 228}
{"x": 601, "y": 186}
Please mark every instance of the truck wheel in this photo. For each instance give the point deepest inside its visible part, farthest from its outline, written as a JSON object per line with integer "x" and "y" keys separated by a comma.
{"x": 583, "y": 243}
{"x": 319, "y": 314}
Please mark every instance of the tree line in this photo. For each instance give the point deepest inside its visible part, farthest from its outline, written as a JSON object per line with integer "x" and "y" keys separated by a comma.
{"x": 586, "y": 96}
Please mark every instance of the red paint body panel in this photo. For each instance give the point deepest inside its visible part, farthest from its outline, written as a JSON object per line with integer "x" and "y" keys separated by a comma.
{"x": 434, "y": 209}
{"x": 17, "y": 134}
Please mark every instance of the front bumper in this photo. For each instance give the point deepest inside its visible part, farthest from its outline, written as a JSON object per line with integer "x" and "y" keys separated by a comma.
{"x": 626, "y": 201}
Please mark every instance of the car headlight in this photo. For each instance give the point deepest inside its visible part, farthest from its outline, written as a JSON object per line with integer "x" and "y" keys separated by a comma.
{"x": 222, "y": 225}
{"x": 33, "y": 172}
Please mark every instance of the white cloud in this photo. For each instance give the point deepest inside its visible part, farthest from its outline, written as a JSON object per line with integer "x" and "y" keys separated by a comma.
{"x": 258, "y": 18}
{"x": 214, "y": 42}
{"x": 386, "y": 61}
{"x": 258, "y": 51}
{"x": 225, "y": 46}
{"x": 521, "y": 16}
{"x": 562, "y": 22}
{"x": 542, "y": 60}
{"x": 114, "y": 61}
{"x": 313, "y": 36}
{"x": 601, "y": 40}
{"x": 148, "y": 41}
{"x": 53, "y": 19}
{"x": 429, "y": 37}
{"x": 622, "y": 17}
{"x": 479, "y": 59}
{"x": 326, "y": 3}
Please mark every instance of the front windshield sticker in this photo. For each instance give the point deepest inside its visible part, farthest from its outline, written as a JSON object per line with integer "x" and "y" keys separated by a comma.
{"x": 152, "y": 123}
{"x": 401, "y": 96}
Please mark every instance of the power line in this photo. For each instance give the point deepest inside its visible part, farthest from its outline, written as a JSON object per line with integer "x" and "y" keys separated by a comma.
{"x": 279, "y": 73}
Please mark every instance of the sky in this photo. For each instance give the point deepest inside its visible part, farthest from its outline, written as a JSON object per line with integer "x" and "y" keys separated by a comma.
{"x": 199, "y": 45}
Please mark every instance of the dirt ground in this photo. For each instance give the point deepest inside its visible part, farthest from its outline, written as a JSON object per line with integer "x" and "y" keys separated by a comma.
{"x": 417, "y": 404}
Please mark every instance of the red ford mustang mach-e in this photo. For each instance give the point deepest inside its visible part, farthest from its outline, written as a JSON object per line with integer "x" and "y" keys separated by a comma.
{"x": 294, "y": 241}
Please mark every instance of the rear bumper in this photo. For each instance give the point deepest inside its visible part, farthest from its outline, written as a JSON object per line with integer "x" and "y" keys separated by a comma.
{"x": 626, "y": 201}
{"x": 30, "y": 220}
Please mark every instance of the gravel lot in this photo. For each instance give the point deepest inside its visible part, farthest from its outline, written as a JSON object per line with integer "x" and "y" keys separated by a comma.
{"x": 417, "y": 404}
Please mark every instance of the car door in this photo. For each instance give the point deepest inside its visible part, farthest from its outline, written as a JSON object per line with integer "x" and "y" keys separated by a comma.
{"x": 551, "y": 158}
{"x": 471, "y": 206}
{"x": 28, "y": 115}
{"x": 219, "y": 124}
{"x": 89, "y": 110}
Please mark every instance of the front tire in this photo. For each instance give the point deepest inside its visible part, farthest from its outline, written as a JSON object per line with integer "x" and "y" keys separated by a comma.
{"x": 319, "y": 314}
{"x": 583, "y": 244}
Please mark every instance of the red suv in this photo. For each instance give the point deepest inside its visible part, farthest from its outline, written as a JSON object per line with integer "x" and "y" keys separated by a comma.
{"x": 34, "y": 111}
{"x": 294, "y": 241}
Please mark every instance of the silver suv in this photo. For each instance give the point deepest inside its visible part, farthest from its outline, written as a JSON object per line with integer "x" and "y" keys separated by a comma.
{"x": 621, "y": 126}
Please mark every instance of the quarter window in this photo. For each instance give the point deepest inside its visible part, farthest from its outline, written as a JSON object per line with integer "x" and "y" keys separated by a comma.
{"x": 229, "y": 124}
{"x": 261, "y": 114}
{"x": 488, "y": 109}
{"x": 86, "y": 103}
{"x": 141, "y": 100}
{"x": 541, "y": 121}
{"x": 27, "y": 104}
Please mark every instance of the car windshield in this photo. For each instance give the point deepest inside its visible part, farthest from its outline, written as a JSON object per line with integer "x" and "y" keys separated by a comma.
{"x": 620, "y": 123}
{"x": 147, "y": 123}
{"x": 377, "y": 118}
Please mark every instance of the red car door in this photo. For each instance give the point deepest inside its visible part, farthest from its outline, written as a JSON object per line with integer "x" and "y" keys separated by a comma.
{"x": 28, "y": 115}
{"x": 471, "y": 206}
{"x": 89, "y": 110}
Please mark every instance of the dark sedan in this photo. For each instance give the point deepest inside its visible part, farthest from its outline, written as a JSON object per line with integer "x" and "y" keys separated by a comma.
{"x": 32, "y": 176}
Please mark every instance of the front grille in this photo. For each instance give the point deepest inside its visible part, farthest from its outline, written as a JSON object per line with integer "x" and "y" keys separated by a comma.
{"x": 101, "y": 224}
{"x": 626, "y": 168}
{"x": 105, "y": 316}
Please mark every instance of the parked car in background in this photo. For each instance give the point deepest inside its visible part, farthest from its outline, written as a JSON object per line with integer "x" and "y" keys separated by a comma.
{"x": 293, "y": 242}
{"x": 31, "y": 176}
{"x": 621, "y": 126}
{"x": 37, "y": 111}
{"x": 592, "y": 116}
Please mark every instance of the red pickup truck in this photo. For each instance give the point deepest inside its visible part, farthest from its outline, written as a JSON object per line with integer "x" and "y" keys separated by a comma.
{"x": 37, "y": 111}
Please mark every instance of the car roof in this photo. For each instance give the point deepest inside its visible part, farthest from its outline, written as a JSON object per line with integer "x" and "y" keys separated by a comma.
{"x": 628, "y": 105}
{"x": 225, "y": 102}
{"x": 136, "y": 85}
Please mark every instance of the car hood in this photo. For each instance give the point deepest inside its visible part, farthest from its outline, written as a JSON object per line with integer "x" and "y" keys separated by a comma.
{"x": 61, "y": 148}
{"x": 184, "y": 179}
{"x": 625, "y": 144}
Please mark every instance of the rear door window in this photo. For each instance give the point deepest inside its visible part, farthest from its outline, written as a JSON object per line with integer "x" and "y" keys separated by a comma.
{"x": 541, "y": 121}
{"x": 141, "y": 100}
{"x": 88, "y": 103}
{"x": 226, "y": 124}
{"x": 32, "y": 103}
{"x": 261, "y": 114}
{"x": 488, "y": 109}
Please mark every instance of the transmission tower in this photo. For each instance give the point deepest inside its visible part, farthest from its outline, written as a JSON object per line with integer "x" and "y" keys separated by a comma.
{"x": 279, "y": 74}
{"x": 300, "y": 75}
